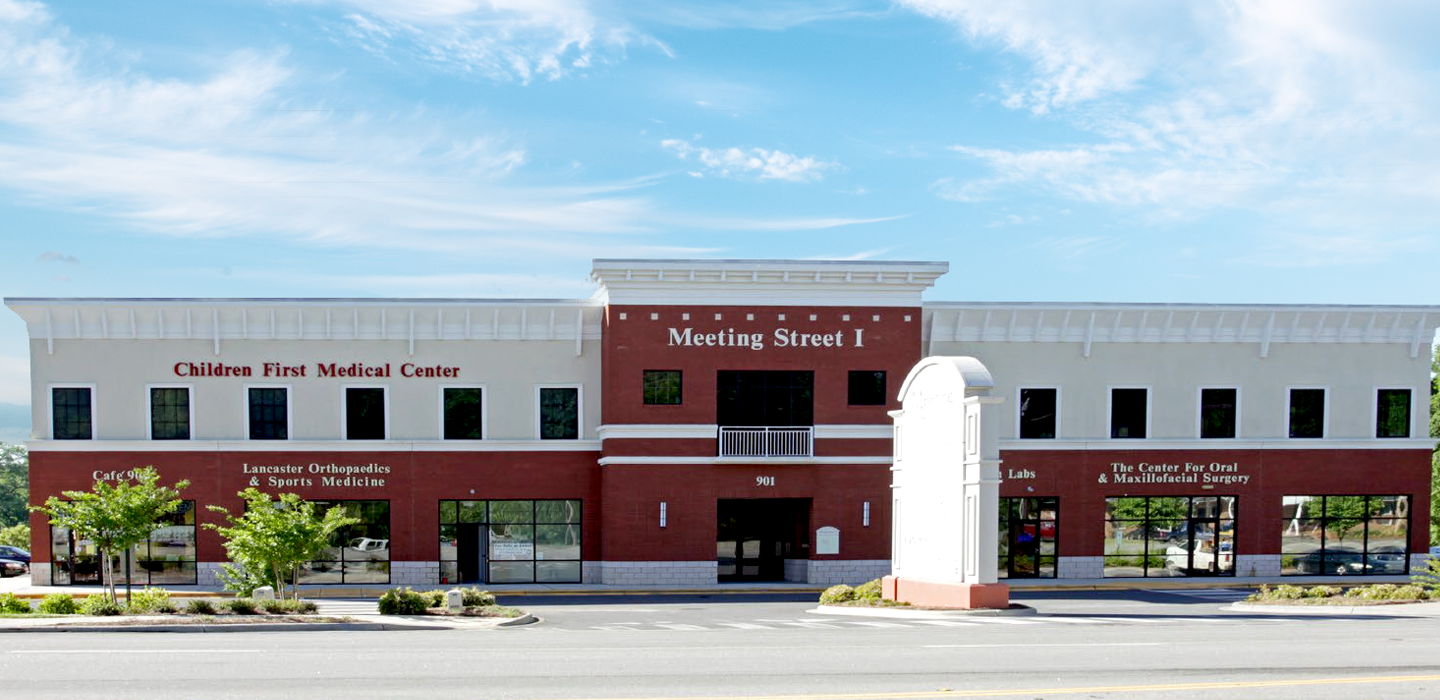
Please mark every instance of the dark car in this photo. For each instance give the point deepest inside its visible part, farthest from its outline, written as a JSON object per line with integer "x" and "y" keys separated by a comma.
{"x": 11, "y": 567}
{"x": 1334, "y": 562}
{"x": 16, "y": 553}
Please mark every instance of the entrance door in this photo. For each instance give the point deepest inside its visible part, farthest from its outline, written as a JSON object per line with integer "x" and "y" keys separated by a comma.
{"x": 1027, "y": 537}
{"x": 470, "y": 552}
{"x": 756, "y": 535}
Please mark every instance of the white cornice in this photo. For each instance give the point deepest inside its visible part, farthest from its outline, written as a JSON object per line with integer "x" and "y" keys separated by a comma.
{"x": 221, "y": 320}
{"x": 1261, "y": 325}
{"x": 299, "y": 446}
{"x": 1322, "y": 445}
{"x": 765, "y": 282}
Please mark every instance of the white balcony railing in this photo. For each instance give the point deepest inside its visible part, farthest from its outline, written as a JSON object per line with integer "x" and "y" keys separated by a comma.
{"x": 787, "y": 441}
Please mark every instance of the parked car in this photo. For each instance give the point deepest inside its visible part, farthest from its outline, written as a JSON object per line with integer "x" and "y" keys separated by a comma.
{"x": 1205, "y": 559}
{"x": 16, "y": 553}
{"x": 1334, "y": 562}
{"x": 12, "y": 567}
{"x": 366, "y": 544}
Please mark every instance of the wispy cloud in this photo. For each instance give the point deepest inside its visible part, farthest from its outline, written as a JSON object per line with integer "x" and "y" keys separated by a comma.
{"x": 1311, "y": 112}
{"x": 495, "y": 39}
{"x": 766, "y": 15}
{"x": 752, "y": 163}
{"x": 51, "y": 256}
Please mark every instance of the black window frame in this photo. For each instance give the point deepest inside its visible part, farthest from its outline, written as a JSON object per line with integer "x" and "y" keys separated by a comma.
{"x": 1155, "y": 556}
{"x": 352, "y": 418}
{"x": 1220, "y": 431}
{"x": 1339, "y": 559}
{"x": 1116, "y": 427}
{"x": 162, "y": 411}
{"x": 546, "y": 425}
{"x": 1014, "y": 510}
{"x": 662, "y": 387}
{"x": 1023, "y": 401}
{"x": 278, "y": 420}
{"x": 341, "y": 539}
{"x": 135, "y": 563}
{"x": 451, "y": 516}
{"x": 866, "y": 387}
{"x": 765, "y": 398}
{"x": 78, "y": 428}
{"x": 475, "y": 412}
{"x": 1407, "y": 406}
{"x": 1311, "y": 428}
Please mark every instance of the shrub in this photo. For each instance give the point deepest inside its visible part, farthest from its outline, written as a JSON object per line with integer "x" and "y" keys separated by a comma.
{"x": 474, "y": 597}
{"x": 868, "y": 591}
{"x": 150, "y": 600}
{"x": 1388, "y": 591}
{"x": 241, "y": 606}
{"x": 99, "y": 604}
{"x": 434, "y": 599}
{"x": 200, "y": 606}
{"x": 1429, "y": 577}
{"x": 288, "y": 607}
{"x": 837, "y": 595}
{"x": 403, "y": 601}
{"x": 1323, "y": 592}
{"x": 10, "y": 605}
{"x": 59, "y": 604}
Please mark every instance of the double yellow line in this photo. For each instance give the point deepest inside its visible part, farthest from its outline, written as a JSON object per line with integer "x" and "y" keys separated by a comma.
{"x": 1045, "y": 692}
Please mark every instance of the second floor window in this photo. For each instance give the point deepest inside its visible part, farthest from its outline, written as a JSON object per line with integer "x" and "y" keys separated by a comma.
{"x": 662, "y": 387}
{"x": 70, "y": 413}
{"x": 364, "y": 413}
{"x": 463, "y": 412}
{"x": 867, "y": 388}
{"x": 169, "y": 413}
{"x": 1307, "y": 413}
{"x": 1392, "y": 413}
{"x": 755, "y": 398}
{"x": 1217, "y": 413}
{"x": 1037, "y": 414}
{"x": 1129, "y": 412}
{"x": 269, "y": 413}
{"x": 559, "y": 413}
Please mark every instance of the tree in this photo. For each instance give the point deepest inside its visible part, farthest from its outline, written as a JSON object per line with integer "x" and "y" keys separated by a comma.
{"x": 16, "y": 536}
{"x": 116, "y": 516}
{"x": 272, "y": 538}
{"x": 1345, "y": 513}
{"x": 14, "y": 485}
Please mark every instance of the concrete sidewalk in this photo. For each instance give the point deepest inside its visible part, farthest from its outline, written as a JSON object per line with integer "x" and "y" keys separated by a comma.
{"x": 22, "y": 587}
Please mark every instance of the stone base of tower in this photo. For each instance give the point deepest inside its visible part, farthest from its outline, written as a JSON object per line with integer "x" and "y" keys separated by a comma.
{"x": 945, "y": 594}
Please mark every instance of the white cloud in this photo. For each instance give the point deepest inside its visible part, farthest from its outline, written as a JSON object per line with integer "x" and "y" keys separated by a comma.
{"x": 756, "y": 163}
{"x": 56, "y": 256}
{"x": 1314, "y": 112}
{"x": 496, "y": 39}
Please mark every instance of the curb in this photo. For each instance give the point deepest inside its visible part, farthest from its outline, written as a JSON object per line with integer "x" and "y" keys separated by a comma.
{"x": 1014, "y": 610}
{"x": 1382, "y": 610}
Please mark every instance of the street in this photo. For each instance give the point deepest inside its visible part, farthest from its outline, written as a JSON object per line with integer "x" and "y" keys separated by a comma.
{"x": 1090, "y": 644}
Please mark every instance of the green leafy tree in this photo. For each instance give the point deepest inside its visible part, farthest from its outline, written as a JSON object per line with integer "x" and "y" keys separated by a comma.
{"x": 16, "y": 536}
{"x": 1345, "y": 513}
{"x": 14, "y": 485}
{"x": 271, "y": 539}
{"x": 115, "y": 516}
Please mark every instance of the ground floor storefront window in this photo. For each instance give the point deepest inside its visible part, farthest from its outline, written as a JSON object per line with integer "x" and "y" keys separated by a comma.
{"x": 167, "y": 557}
{"x": 1345, "y": 535}
{"x": 510, "y": 541}
{"x": 358, "y": 553}
{"x": 1028, "y": 531}
{"x": 1159, "y": 536}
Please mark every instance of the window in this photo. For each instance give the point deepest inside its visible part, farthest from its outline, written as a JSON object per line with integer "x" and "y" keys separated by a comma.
{"x": 559, "y": 413}
{"x": 1129, "y": 413}
{"x": 1037, "y": 413}
{"x": 1166, "y": 536}
{"x": 268, "y": 413}
{"x": 1307, "y": 413}
{"x": 662, "y": 387}
{"x": 867, "y": 388}
{"x": 358, "y": 553}
{"x": 71, "y": 413}
{"x": 1392, "y": 413}
{"x": 1218, "y": 410}
{"x": 365, "y": 413}
{"x": 462, "y": 412}
{"x": 510, "y": 541}
{"x": 765, "y": 398}
{"x": 169, "y": 413}
{"x": 166, "y": 557}
{"x": 1340, "y": 535}
{"x": 1028, "y": 537}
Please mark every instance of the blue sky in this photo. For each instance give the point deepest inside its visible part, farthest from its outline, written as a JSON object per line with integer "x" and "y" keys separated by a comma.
{"x": 1110, "y": 151}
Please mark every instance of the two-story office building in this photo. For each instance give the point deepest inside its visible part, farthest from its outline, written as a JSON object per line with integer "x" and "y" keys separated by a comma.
{"x": 699, "y": 421}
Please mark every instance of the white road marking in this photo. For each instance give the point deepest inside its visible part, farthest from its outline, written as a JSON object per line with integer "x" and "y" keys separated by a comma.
{"x": 136, "y": 651}
{"x": 1004, "y": 646}
{"x": 679, "y": 626}
{"x": 744, "y": 626}
{"x": 811, "y": 625}
{"x": 945, "y": 623}
{"x": 865, "y": 623}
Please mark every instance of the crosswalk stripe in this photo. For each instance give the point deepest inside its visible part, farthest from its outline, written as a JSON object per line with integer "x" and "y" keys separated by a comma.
{"x": 811, "y": 625}
{"x": 745, "y": 626}
{"x": 945, "y": 623}
{"x": 679, "y": 626}
{"x": 868, "y": 623}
